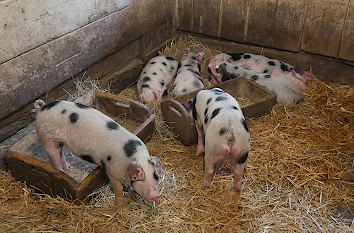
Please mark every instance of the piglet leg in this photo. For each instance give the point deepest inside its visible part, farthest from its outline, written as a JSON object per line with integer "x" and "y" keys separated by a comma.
{"x": 200, "y": 147}
{"x": 118, "y": 190}
{"x": 209, "y": 162}
{"x": 63, "y": 162}
{"x": 53, "y": 153}
{"x": 238, "y": 171}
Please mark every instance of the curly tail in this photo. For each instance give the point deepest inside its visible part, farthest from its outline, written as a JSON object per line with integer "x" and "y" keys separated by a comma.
{"x": 37, "y": 105}
{"x": 230, "y": 139}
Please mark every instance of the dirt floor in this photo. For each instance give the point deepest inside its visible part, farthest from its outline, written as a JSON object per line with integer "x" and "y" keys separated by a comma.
{"x": 298, "y": 178}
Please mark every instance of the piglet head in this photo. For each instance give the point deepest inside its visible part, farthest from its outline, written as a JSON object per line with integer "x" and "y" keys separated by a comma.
{"x": 186, "y": 53}
{"x": 149, "y": 187}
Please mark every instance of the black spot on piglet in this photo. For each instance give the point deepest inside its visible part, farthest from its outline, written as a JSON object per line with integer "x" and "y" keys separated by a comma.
{"x": 81, "y": 106}
{"x": 234, "y": 107}
{"x": 109, "y": 158}
{"x": 236, "y": 56}
{"x": 130, "y": 147}
{"x": 63, "y": 111}
{"x": 215, "y": 112}
{"x": 254, "y": 77}
{"x": 170, "y": 58}
{"x": 271, "y": 63}
{"x": 73, "y": 117}
{"x": 164, "y": 63}
{"x": 165, "y": 93}
{"x": 246, "y": 56}
{"x": 284, "y": 67}
{"x": 220, "y": 98}
{"x": 222, "y": 131}
{"x": 243, "y": 158}
{"x": 112, "y": 125}
{"x": 208, "y": 101}
{"x": 146, "y": 79}
{"x": 146, "y": 86}
{"x": 244, "y": 124}
{"x": 50, "y": 105}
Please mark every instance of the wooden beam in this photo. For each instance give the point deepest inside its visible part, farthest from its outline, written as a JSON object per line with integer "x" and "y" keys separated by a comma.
{"x": 323, "y": 26}
{"x": 346, "y": 50}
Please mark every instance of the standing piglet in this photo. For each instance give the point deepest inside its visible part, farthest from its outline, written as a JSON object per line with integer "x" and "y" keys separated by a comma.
{"x": 154, "y": 78}
{"x": 188, "y": 75}
{"x": 95, "y": 137}
{"x": 220, "y": 122}
{"x": 259, "y": 64}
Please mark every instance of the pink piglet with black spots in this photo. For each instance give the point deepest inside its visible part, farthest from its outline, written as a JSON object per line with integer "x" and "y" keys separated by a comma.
{"x": 222, "y": 132}
{"x": 95, "y": 137}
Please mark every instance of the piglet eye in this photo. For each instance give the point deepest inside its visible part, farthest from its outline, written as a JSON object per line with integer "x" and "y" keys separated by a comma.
{"x": 156, "y": 177}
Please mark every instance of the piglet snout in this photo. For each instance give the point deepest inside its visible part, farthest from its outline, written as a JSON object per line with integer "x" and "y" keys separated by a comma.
{"x": 153, "y": 195}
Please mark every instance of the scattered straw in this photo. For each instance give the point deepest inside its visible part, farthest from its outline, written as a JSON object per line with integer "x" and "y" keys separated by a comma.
{"x": 299, "y": 178}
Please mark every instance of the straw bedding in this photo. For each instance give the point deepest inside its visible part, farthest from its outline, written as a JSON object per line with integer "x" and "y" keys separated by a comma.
{"x": 298, "y": 178}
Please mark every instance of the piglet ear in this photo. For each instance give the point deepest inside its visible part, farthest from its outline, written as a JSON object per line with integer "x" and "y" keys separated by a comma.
{"x": 159, "y": 169}
{"x": 200, "y": 57}
{"x": 186, "y": 53}
{"x": 134, "y": 172}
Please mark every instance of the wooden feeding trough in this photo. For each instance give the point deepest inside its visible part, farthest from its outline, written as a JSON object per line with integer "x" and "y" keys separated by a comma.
{"x": 28, "y": 161}
{"x": 254, "y": 100}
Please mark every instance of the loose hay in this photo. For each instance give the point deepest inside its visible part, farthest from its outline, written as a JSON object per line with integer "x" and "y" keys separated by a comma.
{"x": 299, "y": 178}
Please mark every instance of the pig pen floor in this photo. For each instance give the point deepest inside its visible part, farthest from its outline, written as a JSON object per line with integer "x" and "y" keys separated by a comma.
{"x": 298, "y": 178}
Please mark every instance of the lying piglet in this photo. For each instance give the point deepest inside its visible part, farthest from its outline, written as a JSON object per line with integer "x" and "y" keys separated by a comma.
{"x": 188, "y": 75}
{"x": 218, "y": 118}
{"x": 263, "y": 65}
{"x": 154, "y": 78}
{"x": 286, "y": 91}
{"x": 96, "y": 138}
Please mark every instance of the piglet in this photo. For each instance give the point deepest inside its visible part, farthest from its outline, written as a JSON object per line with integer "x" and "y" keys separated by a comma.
{"x": 188, "y": 75}
{"x": 154, "y": 78}
{"x": 259, "y": 64}
{"x": 95, "y": 137}
{"x": 220, "y": 122}
{"x": 286, "y": 91}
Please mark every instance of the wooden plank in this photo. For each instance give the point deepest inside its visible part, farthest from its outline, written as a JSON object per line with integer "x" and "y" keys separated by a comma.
{"x": 26, "y": 24}
{"x": 260, "y": 22}
{"x": 327, "y": 69}
{"x": 23, "y": 117}
{"x": 323, "y": 26}
{"x": 156, "y": 36}
{"x": 234, "y": 14}
{"x": 346, "y": 50}
{"x": 185, "y": 15}
{"x": 288, "y": 24}
{"x": 206, "y": 17}
{"x": 45, "y": 67}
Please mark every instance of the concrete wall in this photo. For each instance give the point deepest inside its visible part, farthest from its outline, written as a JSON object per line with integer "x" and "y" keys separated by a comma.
{"x": 44, "y": 43}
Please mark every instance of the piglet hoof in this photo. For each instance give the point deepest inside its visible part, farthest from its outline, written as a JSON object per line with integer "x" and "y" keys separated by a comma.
{"x": 206, "y": 184}
{"x": 66, "y": 167}
{"x": 237, "y": 186}
{"x": 119, "y": 201}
